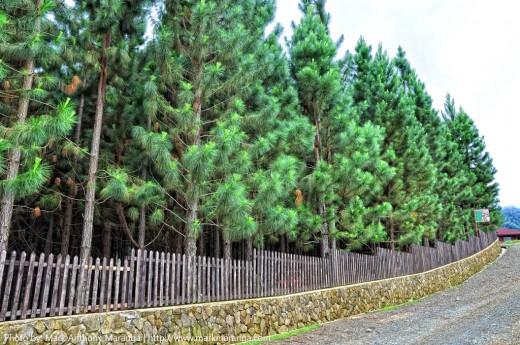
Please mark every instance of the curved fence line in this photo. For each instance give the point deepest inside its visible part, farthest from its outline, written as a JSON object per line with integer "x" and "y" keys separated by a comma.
{"x": 38, "y": 286}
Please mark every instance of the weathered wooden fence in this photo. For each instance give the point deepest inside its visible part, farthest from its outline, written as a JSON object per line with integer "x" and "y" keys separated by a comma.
{"x": 38, "y": 286}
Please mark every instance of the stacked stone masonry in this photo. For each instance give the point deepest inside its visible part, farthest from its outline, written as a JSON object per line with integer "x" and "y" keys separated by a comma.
{"x": 243, "y": 320}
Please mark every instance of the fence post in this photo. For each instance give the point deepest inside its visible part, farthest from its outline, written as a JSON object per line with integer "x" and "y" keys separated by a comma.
{"x": 3, "y": 255}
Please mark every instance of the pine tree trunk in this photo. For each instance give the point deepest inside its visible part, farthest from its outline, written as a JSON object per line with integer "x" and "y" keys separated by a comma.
{"x": 321, "y": 210}
{"x": 14, "y": 156}
{"x": 8, "y": 199}
{"x": 332, "y": 223}
{"x": 69, "y": 203}
{"x": 333, "y": 240}
{"x": 144, "y": 176}
{"x": 90, "y": 194}
{"x": 217, "y": 243}
{"x": 283, "y": 248}
{"x": 201, "y": 246}
{"x": 249, "y": 248}
{"x": 142, "y": 227}
{"x": 227, "y": 246}
{"x": 324, "y": 232}
{"x": 48, "y": 240}
{"x": 190, "y": 246}
{"x": 227, "y": 258}
{"x": 392, "y": 234}
{"x": 107, "y": 242}
{"x": 65, "y": 233}
{"x": 329, "y": 146}
{"x": 178, "y": 242}
{"x": 124, "y": 225}
{"x": 317, "y": 139}
{"x": 81, "y": 106}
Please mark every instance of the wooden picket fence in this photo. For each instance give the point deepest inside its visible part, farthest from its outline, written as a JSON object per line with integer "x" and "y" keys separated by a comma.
{"x": 39, "y": 286}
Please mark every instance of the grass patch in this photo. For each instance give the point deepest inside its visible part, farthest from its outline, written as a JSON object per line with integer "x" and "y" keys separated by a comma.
{"x": 512, "y": 242}
{"x": 395, "y": 306}
{"x": 282, "y": 335}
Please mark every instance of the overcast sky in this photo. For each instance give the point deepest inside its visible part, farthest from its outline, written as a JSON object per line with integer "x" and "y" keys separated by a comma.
{"x": 470, "y": 49}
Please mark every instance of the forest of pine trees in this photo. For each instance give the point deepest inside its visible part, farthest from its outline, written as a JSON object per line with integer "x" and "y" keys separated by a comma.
{"x": 209, "y": 137}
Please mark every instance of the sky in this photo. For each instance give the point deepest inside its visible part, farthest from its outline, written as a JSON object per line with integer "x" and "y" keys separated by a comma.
{"x": 470, "y": 49}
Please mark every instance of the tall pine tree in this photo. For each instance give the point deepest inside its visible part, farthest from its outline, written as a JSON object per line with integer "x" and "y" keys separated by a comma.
{"x": 380, "y": 98}
{"x": 346, "y": 165}
{"x": 481, "y": 189}
{"x": 35, "y": 118}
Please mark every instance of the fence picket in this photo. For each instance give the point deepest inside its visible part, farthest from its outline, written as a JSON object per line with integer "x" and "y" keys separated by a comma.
{"x": 167, "y": 281}
{"x": 37, "y": 286}
{"x": 199, "y": 280}
{"x": 116, "y": 287}
{"x": 125, "y": 290}
{"x": 148, "y": 278}
{"x": 54, "y": 296}
{"x": 261, "y": 281}
{"x": 175, "y": 275}
{"x": 72, "y": 289}
{"x": 48, "y": 275}
{"x": 142, "y": 282}
{"x": 64, "y": 285}
{"x": 18, "y": 287}
{"x": 215, "y": 278}
{"x": 155, "y": 280}
{"x": 7, "y": 289}
{"x": 183, "y": 293}
{"x": 102, "y": 290}
{"x": 110, "y": 275}
{"x": 233, "y": 265}
{"x": 129, "y": 285}
{"x": 206, "y": 279}
{"x": 161, "y": 279}
{"x": 178, "y": 290}
{"x": 27, "y": 293}
{"x": 220, "y": 279}
{"x": 95, "y": 286}
{"x": 89, "y": 282}
{"x": 138, "y": 279}
{"x": 3, "y": 255}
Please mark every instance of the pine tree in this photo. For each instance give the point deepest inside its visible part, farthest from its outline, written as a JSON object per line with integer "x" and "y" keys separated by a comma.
{"x": 316, "y": 75}
{"x": 380, "y": 98}
{"x": 202, "y": 68}
{"x": 278, "y": 140}
{"x": 103, "y": 32}
{"x": 480, "y": 188}
{"x": 436, "y": 141}
{"x": 347, "y": 165}
{"x": 27, "y": 42}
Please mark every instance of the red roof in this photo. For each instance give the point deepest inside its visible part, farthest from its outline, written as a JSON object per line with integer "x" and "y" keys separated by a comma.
{"x": 507, "y": 232}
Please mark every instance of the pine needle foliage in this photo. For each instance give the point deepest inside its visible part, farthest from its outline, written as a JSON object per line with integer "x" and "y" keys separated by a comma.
{"x": 210, "y": 132}
{"x": 382, "y": 98}
{"x": 34, "y": 118}
{"x": 347, "y": 163}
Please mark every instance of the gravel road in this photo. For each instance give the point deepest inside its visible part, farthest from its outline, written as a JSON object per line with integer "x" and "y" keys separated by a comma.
{"x": 483, "y": 310}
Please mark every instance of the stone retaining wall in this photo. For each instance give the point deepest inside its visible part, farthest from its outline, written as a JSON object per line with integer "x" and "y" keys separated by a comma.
{"x": 235, "y": 321}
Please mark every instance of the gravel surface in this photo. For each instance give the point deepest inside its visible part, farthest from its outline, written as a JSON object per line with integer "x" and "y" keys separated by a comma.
{"x": 483, "y": 310}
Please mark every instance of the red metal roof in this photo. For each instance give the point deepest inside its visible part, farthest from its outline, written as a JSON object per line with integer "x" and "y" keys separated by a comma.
{"x": 507, "y": 232}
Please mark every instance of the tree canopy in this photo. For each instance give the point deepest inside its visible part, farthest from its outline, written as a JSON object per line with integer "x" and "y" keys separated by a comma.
{"x": 511, "y": 217}
{"x": 210, "y": 137}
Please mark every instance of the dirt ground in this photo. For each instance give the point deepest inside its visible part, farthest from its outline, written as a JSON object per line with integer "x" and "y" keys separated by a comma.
{"x": 483, "y": 310}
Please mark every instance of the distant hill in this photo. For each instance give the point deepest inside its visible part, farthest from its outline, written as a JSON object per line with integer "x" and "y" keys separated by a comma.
{"x": 511, "y": 217}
